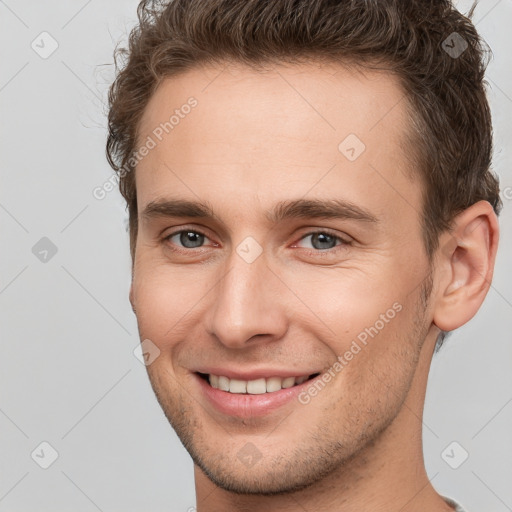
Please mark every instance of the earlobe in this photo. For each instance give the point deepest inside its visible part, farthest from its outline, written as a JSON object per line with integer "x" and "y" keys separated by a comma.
{"x": 466, "y": 261}
{"x": 131, "y": 297}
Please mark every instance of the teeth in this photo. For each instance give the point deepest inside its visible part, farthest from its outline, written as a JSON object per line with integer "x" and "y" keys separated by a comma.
{"x": 214, "y": 381}
{"x": 274, "y": 384}
{"x": 237, "y": 386}
{"x": 288, "y": 382}
{"x": 223, "y": 383}
{"x": 300, "y": 380}
{"x": 254, "y": 387}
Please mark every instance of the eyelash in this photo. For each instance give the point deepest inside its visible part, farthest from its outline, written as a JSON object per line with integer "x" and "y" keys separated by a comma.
{"x": 314, "y": 252}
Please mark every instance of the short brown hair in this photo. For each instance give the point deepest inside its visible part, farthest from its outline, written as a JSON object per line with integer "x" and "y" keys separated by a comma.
{"x": 434, "y": 50}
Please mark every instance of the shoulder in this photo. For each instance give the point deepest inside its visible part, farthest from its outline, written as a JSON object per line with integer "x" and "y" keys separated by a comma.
{"x": 455, "y": 505}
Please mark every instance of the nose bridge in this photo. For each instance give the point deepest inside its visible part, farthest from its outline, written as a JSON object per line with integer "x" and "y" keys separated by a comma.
{"x": 245, "y": 302}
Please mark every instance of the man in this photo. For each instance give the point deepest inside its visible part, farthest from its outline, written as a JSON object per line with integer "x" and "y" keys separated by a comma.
{"x": 311, "y": 211}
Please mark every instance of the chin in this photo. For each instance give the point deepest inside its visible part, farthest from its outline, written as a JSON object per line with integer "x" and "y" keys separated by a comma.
{"x": 262, "y": 482}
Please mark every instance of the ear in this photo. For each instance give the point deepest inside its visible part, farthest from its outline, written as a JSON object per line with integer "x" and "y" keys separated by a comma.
{"x": 131, "y": 297}
{"x": 465, "y": 265}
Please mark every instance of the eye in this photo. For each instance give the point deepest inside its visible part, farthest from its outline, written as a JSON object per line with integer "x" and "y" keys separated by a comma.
{"x": 324, "y": 240}
{"x": 187, "y": 238}
{"x": 320, "y": 241}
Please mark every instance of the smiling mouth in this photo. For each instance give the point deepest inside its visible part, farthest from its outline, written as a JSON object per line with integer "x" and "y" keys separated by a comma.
{"x": 254, "y": 387}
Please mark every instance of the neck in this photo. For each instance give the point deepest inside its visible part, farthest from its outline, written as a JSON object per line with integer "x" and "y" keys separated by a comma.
{"x": 387, "y": 475}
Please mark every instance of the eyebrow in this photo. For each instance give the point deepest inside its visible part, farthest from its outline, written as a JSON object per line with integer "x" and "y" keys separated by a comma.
{"x": 283, "y": 210}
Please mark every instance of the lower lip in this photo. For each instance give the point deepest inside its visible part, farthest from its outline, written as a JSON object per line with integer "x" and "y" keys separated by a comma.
{"x": 250, "y": 406}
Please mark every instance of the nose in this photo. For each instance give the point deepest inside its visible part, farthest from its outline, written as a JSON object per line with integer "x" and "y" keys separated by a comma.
{"x": 247, "y": 306}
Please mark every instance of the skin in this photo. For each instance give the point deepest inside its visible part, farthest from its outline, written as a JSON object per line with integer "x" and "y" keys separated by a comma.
{"x": 254, "y": 139}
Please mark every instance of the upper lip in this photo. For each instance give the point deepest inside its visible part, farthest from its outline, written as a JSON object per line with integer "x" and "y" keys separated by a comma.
{"x": 255, "y": 374}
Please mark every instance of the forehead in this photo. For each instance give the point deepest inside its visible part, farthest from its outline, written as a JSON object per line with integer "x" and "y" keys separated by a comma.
{"x": 332, "y": 99}
{"x": 310, "y": 129}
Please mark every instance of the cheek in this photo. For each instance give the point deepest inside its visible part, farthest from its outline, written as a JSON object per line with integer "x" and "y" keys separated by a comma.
{"x": 377, "y": 364}
{"x": 348, "y": 303}
{"x": 167, "y": 302}
{"x": 342, "y": 305}
{"x": 370, "y": 325}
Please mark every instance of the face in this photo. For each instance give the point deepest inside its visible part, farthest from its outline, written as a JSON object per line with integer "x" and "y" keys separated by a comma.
{"x": 286, "y": 312}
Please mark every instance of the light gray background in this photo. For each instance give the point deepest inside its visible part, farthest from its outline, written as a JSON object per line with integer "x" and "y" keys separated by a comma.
{"x": 68, "y": 373}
